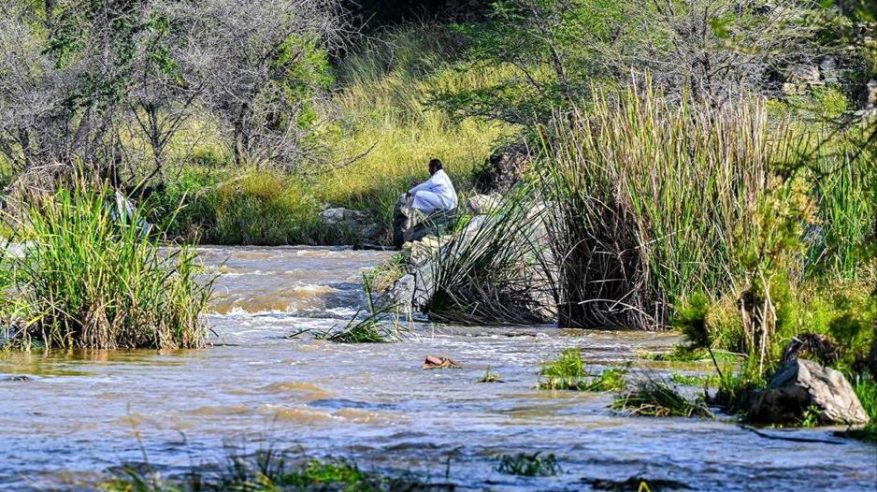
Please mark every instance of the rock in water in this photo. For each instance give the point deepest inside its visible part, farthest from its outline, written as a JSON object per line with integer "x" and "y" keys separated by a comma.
{"x": 439, "y": 362}
{"x": 800, "y": 384}
{"x": 351, "y": 221}
{"x": 401, "y": 293}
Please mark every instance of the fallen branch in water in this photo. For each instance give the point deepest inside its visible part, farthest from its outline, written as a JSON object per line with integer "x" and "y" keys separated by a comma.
{"x": 784, "y": 438}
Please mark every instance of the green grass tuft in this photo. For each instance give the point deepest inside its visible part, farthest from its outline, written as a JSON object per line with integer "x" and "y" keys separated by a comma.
{"x": 268, "y": 471}
{"x": 529, "y": 465}
{"x": 490, "y": 377}
{"x": 566, "y": 373}
{"x": 711, "y": 380}
{"x": 569, "y": 372}
{"x": 654, "y": 398}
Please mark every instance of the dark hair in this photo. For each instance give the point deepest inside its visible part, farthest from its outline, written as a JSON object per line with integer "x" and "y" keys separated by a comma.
{"x": 435, "y": 164}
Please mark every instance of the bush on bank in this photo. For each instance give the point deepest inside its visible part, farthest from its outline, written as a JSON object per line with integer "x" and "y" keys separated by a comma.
{"x": 90, "y": 275}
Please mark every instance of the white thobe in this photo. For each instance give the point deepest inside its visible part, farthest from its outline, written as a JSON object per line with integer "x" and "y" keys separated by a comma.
{"x": 436, "y": 193}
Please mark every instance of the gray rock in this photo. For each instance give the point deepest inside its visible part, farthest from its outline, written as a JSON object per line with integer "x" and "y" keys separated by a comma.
{"x": 401, "y": 293}
{"x": 800, "y": 384}
{"x": 800, "y": 78}
{"x": 339, "y": 215}
{"x": 483, "y": 204}
{"x": 410, "y": 225}
{"x": 828, "y": 69}
{"x": 424, "y": 287}
{"x": 15, "y": 378}
{"x": 804, "y": 74}
{"x": 355, "y": 222}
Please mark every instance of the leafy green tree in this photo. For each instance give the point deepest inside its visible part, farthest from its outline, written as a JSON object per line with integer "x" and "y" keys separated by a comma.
{"x": 557, "y": 50}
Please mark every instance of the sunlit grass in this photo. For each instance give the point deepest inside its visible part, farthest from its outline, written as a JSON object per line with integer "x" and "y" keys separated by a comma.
{"x": 384, "y": 114}
{"x": 650, "y": 198}
{"x": 378, "y": 134}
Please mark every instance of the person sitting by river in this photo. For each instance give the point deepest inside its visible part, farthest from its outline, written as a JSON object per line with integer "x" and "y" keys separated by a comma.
{"x": 436, "y": 194}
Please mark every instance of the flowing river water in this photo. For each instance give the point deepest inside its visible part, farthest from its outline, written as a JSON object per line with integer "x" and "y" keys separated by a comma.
{"x": 65, "y": 420}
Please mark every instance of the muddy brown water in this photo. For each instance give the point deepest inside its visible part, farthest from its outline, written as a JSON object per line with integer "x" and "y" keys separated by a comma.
{"x": 65, "y": 420}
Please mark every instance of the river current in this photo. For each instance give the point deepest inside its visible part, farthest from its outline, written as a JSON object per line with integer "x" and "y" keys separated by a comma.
{"x": 67, "y": 419}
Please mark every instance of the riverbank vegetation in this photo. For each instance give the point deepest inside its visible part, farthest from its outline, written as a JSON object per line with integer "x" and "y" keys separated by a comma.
{"x": 377, "y": 134}
{"x": 268, "y": 470}
{"x": 739, "y": 208}
{"x": 91, "y": 275}
{"x": 703, "y": 165}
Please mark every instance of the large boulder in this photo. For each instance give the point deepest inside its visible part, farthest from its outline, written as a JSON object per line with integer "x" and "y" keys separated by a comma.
{"x": 483, "y": 204}
{"x": 801, "y": 384}
{"x": 504, "y": 168}
{"x": 355, "y": 222}
{"x": 411, "y": 225}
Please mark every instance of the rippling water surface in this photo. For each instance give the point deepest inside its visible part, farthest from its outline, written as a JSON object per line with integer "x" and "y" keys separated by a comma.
{"x": 66, "y": 419}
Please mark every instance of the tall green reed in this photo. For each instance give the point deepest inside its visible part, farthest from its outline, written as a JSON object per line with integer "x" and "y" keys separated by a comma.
{"x": 648, "y": 197}
{"x": 846, "y": 194}
{"x": 91, "y": 276}
{"x": 494, "y": 269}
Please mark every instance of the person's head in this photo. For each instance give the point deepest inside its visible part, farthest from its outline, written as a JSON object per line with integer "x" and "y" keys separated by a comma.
{"x": 435, "y": 165}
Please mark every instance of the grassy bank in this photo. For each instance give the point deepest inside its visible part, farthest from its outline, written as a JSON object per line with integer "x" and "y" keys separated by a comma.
{"x": 379, "y": 135}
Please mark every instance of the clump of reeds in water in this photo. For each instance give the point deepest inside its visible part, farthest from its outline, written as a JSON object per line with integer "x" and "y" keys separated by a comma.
{"x": 493, "y": 269}
{"x": 268, "y": 470}
{"x": 92, "y": 276}
{"x": 380, "y": 323}
{"x": 569, "y": 372}
{"x": 647, "y": 196}
{"x": 529, "y": 464}
{"x": 655, "y": 398}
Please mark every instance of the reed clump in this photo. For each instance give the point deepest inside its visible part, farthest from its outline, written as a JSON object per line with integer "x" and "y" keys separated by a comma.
{"x": 493, "y": 269}
{"x": 648, "y": 195}
{"x": 375, "y": 322}
{"x": 569, "y": 372}
{"x": 655, "y": 398}
{"x": 267, "y": 470}
{"x": 529, "y": 464}
{"x": 92, "y": 276}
